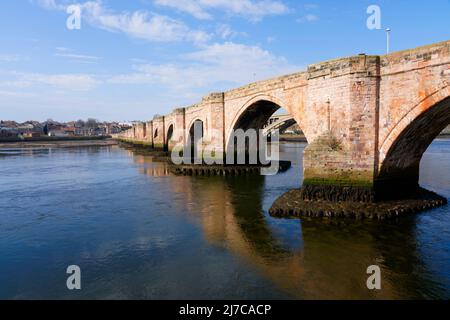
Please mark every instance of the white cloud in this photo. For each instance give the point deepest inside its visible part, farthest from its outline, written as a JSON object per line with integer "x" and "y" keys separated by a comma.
{"x": 311, "y": 6}
{"x": 192, "y": 7}
{"x": 78, "y": 82}
{"x": 219, "y": 66}
{"x": 138, "y": 60}
{"x": 137, "y": 24}
{"x": 214, "y": 67}
{"x": 15, "y": 94}
{"x": 12, "y": 58}
{"x": 67, "y": 53}
{"x": 63, "y": 49}
{"x": 51, "y": 4}
{"x": 311, "y": 17}
{"x": 224, "y": 31}
{"x": 71, "y": 82}
{"x": 78, "y": 57}
{"x": 308, "y": 18}
{"x": 142, "y": 24}
{"x": 252, "y": 9}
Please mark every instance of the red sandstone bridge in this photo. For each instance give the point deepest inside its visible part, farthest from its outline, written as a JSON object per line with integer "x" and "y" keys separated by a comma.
{"x": 368, "y": 119}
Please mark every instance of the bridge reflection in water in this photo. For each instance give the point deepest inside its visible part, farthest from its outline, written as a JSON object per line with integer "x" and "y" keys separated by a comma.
{"x": 307, "y": 259}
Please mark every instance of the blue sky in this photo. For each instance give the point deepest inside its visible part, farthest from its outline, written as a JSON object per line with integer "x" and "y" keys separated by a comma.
{"x": 134, "y": 59}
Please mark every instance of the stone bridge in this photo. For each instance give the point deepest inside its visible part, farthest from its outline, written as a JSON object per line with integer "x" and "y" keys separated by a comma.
{"x": 368, "y": 119}
{"x": 280, "y": 123}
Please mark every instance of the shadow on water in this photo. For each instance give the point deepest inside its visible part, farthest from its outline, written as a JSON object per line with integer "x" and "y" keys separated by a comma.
{"x": 338, "y": 253}
{"x": 331, "y": 257}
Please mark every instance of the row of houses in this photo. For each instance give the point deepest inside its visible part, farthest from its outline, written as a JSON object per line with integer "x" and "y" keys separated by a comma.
{"x": 35, "y": 129}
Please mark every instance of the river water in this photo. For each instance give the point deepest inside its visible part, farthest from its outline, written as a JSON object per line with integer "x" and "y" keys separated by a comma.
{"x": 138, "y": 232}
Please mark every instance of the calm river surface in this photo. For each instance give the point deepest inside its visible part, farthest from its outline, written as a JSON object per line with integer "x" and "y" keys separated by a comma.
{"x": 138, "y": 232}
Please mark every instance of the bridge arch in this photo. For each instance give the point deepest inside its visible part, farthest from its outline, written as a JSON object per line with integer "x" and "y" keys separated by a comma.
{"x": 403, "y": 149}
{"x": 417, "y": 110}
{"x": 251, "y": 102}
{"x": 255, "y": 113}
{"x": 169, "y": 136}
{"x": 196, "y": 134}
{"x": 144, "y": 128}
{"x": 195, "y": 120}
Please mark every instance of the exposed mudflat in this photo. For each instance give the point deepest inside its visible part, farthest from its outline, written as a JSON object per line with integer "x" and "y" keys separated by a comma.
{"x": 291, "y": 205}
{"x": 226, "y": 170}
{"x": 58, "y": 144}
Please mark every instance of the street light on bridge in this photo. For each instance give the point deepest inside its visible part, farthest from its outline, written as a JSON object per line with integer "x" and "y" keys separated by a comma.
{"x": 388, "y": 40}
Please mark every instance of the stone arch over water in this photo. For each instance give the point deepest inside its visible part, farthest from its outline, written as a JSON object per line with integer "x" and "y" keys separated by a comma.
{"x": 253, "y": 117}
{"x": 169, "y": 136}
{"x": 195, "y": 139}
{"x": 399, "y": 171}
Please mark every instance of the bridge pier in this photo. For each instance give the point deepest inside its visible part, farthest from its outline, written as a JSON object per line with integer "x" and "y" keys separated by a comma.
{"x": 340, "y": 161}
{"x": 330, "y": 173}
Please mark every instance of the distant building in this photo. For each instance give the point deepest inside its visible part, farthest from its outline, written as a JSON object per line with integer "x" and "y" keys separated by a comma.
{"x": 58, "y": 133}
{"x": 8, "y": 129}
{"x": 70, "y": 130}
{"x": 83, "y": 131}
{"x": 32, "y": 134}
{"x": 7, "y": 132}
{"x": 33, "y": 129}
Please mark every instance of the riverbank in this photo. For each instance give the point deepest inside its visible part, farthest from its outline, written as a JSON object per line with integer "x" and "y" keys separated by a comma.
{"x": 293, "y": 138}
{"x": 58, "y": 144}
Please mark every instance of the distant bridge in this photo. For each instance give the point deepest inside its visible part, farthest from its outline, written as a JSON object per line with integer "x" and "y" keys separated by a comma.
{"x": 280, "y": 123}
